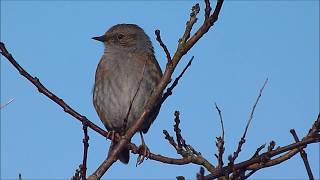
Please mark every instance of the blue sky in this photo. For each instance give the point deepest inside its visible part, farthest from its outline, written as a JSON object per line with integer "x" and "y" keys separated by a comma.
{"x": 251, "y": 41}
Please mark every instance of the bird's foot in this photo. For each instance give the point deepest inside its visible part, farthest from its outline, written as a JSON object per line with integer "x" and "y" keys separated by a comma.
{"x": 143, "y": 151}
{"x": 111, "y": 135}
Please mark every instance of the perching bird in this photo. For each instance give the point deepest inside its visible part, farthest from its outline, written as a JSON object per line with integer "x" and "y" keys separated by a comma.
{"x": 125, "y": 77}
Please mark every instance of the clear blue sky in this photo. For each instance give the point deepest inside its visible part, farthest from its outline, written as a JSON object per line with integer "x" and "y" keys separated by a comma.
{"x": 251, "y": 41}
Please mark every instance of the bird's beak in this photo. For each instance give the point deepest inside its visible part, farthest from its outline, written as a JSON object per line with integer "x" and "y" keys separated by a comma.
{"x": 100, "y": 38}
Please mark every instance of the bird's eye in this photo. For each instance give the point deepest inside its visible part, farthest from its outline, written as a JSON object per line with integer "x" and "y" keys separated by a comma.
{"x": 120, "y": 36}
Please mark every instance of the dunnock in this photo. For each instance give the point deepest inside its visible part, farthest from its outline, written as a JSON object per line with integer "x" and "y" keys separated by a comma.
{"x": 125, "y": 78}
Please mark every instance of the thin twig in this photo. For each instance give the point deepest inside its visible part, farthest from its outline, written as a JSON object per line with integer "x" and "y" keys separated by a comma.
{"x": 243, "y": 140}
{"x": 254, "y": 108}
{"x": 185, "y": 150}
{"x": 220, "y": 140}
{"x": 7, "y": 103}
{"x": 207, "y": 10}
{"x": 164, "y": 47}
{"x": 258, "y": 150}
{"x": 303, "y": 155}
{"x": 85, "y": 150}
{"x": 193, "y": 19}
{"x": 221, "y": 120}
{"x": 177, "y": 130}
{"x": 176, "y": 81}
{"x": 170, "y": 139}
{"x": 271, "y": 146}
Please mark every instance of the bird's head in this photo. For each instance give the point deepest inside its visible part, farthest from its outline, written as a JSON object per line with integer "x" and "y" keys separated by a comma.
{"x": 126, "y": 37}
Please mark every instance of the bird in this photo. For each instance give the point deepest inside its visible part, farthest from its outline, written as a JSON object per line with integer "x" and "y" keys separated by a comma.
{"x": 125, "y": 77}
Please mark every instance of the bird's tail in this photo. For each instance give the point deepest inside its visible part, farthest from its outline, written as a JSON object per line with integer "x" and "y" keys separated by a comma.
{"x": 124, "y": 154}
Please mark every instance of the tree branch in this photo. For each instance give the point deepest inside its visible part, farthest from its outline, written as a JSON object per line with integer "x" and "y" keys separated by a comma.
{"x": 264, "y": 160}
{"x": 85, "y": 150}
{"x": 243, "y": 140}
{"x": 164, "y": 47}
{"x": 220, "y": 140}
{"x": 303, "y": 155}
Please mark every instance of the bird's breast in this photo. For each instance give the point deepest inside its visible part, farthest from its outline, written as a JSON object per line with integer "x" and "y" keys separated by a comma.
{"x": 122, "y": 86}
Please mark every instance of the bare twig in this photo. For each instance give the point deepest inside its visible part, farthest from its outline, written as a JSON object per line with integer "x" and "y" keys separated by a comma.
{"x": 243, "y": 140}
{"x": 315, "y": 129}
{"x": 271, "y": 146}
{"x": 164, "y": 47}
{"x": 85, "y": 150}
{"x": 185, "y": 150}
{"x": 221, "y": 120}
{"x": 254, "y": 108}
{"x": 81, "y": 172}
{"x": 193, "y": 19}
{"x": 176, "y": 81}
{"x": 177, "y": 130}
{"x": 258, "y": 150}
{"x": 220, "y": 140}
{"x": 6, "y": 104}
{"x": 180, "y": 145}
{"x": 170, "y": 139}
{"x": 303, "y": 155}
{"x": 207, "y": 10}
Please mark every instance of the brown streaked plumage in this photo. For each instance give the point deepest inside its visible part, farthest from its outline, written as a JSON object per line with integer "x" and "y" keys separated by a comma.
{"x": 125, "y": 78}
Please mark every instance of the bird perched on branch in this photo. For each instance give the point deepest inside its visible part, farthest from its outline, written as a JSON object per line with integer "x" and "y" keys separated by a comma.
{"x": 125, "y": 77}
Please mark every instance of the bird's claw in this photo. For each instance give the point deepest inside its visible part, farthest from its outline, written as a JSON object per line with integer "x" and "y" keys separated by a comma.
{"x": 144, "y": 152}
